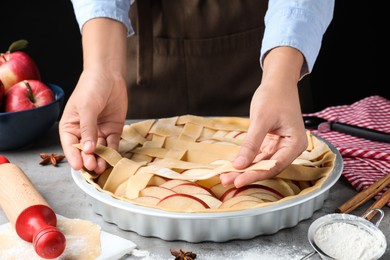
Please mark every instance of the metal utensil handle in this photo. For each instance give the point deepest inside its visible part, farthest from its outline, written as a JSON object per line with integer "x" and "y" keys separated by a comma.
{"x": 380, "y": 218}
{"x": 309, "y": 255}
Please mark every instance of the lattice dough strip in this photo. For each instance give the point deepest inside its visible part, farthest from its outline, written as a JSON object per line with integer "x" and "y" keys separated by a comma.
{"x": 234, "y": 123}
{"x": 191, "y": 132}
{"x": 121, "y": 172}
{"x": 166, "y": 127}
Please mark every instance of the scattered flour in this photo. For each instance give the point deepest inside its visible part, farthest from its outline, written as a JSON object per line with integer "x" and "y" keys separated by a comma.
{"x": 342, "y": 240}
{"x": 277, "y": 252}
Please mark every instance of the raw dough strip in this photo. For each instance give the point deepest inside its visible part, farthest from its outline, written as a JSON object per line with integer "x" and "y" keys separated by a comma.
{"x": 231, "y": 124}
{"x": 166, "y": 127}
{"x": 222, "y": 150}
{"x": 121, "y": 172}
{"x": 199, "y": 149}
{"x": 110, "y": 155}
{"x": 191, "y": 132}
{"x": 303, "y": 173}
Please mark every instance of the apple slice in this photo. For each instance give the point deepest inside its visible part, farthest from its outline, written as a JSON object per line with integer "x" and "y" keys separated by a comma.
{"x": 282, "y": 186}
{"x": 243, "y": 200}
{"x": 190, "y": 188}
{"x": 182, "y": 203}
{"x": 211, "y": 201}
{"x": 146, "y": 200}
{"x": 256, "y": 188}
{"x": 169, "y": 184}
{"x": 218, "y": 189}
{"x": 245, "y": 204}
{"x": 228, "y": 194}
{"x": 156, "y": 191}
{"x": 264, "y": 196}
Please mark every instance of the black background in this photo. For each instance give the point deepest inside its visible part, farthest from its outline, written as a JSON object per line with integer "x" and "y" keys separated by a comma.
{"x": 351, "y": 64}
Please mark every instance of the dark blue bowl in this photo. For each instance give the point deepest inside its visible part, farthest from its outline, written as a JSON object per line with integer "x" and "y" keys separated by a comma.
{"x": 19, "y": 129}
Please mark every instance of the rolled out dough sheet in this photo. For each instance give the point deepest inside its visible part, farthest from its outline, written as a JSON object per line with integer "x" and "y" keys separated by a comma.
{"x": 111, "y": 246}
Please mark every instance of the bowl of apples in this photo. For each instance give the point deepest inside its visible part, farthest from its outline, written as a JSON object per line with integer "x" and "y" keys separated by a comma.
{"x": 29, "y": 107}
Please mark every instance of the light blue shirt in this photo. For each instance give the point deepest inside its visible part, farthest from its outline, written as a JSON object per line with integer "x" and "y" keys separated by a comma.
{"x": 295, "y": 23}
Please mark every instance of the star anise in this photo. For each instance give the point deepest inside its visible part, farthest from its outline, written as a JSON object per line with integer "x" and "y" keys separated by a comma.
{"x": 183, "y": 255}
{"x": 52, "y": 158}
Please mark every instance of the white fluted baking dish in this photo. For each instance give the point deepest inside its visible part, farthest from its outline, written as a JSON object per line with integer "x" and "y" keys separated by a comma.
{"x": 216, "y": 226}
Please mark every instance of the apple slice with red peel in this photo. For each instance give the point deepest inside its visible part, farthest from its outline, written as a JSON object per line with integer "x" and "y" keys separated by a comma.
{"x": 218, "y": 189}
{"x": 282, "y": 186}
{"x": 264, "y": 196}
{"x": 228, "y": 194}
{"x": 146, "y": 200}
{"x": 210, "y": 200}
{"x": 182, "y": 203}
{"x": 169, "y": 184}
{"x": 240, "y": 199}
{"x": 190, "y": 188}
{"x": 256, "y": 188}
{"x": 155, "y": 191}
{"x": 245, "y": 204}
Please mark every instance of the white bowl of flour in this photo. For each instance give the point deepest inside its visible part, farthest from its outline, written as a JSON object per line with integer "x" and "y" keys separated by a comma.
{"x": 347, "y": 237}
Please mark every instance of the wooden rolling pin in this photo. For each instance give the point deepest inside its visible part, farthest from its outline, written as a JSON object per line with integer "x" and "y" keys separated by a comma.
{"x": 29, "y": 213}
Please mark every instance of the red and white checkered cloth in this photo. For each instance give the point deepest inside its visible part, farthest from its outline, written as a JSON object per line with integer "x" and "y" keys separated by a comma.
{"x": 365, "y": 161}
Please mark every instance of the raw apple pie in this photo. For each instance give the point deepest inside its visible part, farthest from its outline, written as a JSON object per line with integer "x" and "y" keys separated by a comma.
{"x": 174, "y": 164}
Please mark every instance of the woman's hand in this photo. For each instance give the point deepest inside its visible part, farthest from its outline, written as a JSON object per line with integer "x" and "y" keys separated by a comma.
{"x": 95, "y": 113}
{"x": 276, "y": 129}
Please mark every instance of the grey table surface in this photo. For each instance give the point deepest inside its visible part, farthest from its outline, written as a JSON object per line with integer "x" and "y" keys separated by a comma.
{"x": 67, "y": 199}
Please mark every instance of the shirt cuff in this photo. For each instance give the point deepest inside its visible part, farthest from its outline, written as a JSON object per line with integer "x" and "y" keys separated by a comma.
{"x": 117, "y": 10}
{"x": 295, "y": 28}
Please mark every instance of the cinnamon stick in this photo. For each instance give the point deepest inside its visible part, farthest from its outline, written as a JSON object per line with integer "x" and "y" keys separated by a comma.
{"x": 364, "y": 195}
{"x": 384, "y": 199}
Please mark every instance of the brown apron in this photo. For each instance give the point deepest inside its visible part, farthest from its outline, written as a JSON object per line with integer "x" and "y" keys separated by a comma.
{"x": 196, "y": 57}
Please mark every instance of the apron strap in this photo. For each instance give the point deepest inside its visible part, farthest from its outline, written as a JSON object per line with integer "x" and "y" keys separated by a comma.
{"x": 145, "y": 42}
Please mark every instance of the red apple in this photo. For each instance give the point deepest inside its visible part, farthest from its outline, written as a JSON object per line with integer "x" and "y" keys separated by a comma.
{"x": 2, "y": 93}
{"x": 28, "y": 94}
{"x": 3, "y": 159}
{"x": 16, "y": 66}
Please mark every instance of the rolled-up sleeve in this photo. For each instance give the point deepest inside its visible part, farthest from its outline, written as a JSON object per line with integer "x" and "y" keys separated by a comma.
{"x": 297, "y": 23}
{"x": 86, "y": 10}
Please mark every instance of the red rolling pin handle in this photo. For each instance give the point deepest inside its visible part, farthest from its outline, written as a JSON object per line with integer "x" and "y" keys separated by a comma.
{"x": 27, "y": 210}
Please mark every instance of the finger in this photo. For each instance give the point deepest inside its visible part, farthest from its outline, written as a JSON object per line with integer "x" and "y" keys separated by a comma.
{"x": 72, "y": 154}
{"x": 284, "y": 157}
{"x": 88, "y": 128}
{"x": 262, "y": 156}
{"x": 88, "y": 141}
{"x": 90, "y": 162}
{"x": 101, "y": 164}
{"x": 228, "y": 178}
{"x": 250, "y": 147}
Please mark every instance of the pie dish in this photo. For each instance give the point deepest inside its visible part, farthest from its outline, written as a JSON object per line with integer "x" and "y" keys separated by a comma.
{"x": 184, "y": 156}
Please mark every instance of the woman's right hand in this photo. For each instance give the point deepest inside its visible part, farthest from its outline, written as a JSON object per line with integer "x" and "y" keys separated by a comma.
{"x": 96, "y": 111}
